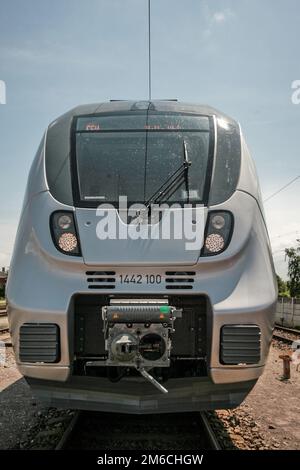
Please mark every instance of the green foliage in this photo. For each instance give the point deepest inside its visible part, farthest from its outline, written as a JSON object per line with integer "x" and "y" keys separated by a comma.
{"x": 293, "y": 255}
{"x": 283, "y": 290}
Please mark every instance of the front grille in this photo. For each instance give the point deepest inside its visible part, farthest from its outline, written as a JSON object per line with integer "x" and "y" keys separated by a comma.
{"x": 240, "y": 344}
{"x": 39, "y": 342}
{"x": 101, "y": 279}
{"x": 179, "y": 279}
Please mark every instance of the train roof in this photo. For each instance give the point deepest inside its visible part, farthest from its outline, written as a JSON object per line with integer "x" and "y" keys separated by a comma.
{"x": 120, "y": 106}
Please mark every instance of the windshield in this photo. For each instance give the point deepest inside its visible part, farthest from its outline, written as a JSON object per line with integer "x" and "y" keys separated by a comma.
{"x": 134, "y": 155}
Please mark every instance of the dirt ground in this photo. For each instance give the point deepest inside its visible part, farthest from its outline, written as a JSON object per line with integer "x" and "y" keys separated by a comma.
{"x": 275, "y": 403}
{"x": 18, "y": 409}
{"x": 270, "y": 415}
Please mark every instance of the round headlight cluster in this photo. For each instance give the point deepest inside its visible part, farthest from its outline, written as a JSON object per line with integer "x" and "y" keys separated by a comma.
{"x": 64, "y": 234}
{"x": 67, "y": 242}
{"x": 214, "y": 243}
{"x": 64, "y": 222}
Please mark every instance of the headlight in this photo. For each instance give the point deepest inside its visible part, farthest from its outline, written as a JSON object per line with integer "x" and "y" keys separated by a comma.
{"x": 218, "y": 221}
{"x": 67, "y": 242}
{"x": 214, "y": 243}
{"x": 64, "y": 221}
{"x": 218, "y": 232}
{"x": 64, "y": 234}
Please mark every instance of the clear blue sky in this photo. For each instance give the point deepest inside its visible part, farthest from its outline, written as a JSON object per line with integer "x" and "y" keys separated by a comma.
{"x": 239, "y": 56}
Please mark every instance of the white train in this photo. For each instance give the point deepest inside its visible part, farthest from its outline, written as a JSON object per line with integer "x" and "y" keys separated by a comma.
{"x": 104, "y": 317}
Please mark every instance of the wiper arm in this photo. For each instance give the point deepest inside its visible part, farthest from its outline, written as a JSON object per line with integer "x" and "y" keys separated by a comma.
{"x": 171, "y": 180}
{"x": 187, "y": 164}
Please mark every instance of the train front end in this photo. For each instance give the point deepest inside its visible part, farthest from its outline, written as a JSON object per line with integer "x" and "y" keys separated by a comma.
{"x": 142, "y": 279}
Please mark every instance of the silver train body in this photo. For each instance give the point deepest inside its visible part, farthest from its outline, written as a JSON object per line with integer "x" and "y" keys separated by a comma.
{"x": 136, "y": 325}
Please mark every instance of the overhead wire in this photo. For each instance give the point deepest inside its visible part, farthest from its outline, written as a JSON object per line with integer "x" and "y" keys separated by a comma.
{"x": 281, "y": 189}
{"x": 149, "y": 50}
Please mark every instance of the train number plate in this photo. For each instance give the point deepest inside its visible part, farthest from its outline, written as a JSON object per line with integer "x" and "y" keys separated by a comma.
{"x": 140, "y": 278}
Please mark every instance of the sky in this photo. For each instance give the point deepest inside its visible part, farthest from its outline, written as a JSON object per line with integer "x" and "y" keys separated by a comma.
{"x": 238, "y": 56}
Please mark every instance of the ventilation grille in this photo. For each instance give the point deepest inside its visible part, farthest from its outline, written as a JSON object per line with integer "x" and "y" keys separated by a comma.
{"x": 39, "y": 342}
{"x": 180, "y": 279}
{"x": 240, "y": 344}
{"x": 101, "y": 279}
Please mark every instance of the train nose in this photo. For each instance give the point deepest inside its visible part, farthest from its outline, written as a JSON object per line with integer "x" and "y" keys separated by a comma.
{"x": 176, "y": 238}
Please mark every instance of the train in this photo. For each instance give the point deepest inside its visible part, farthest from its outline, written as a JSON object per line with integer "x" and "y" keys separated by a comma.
{"x": 142, "y": 278}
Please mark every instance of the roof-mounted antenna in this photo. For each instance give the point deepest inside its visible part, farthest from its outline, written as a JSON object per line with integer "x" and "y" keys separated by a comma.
{"x": 149, "y": 48}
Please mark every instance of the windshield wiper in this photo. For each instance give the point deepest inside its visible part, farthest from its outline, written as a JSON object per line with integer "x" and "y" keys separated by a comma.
{"x": 172, "y": 180}
{"x": 187, "y": 164}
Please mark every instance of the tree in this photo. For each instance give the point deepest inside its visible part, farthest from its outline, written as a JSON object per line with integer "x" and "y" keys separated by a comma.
{"x": 293, "y": 255}
{"x": 283, "y": 290}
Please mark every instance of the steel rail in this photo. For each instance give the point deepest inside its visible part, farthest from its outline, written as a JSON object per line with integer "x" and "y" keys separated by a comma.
{"x": 65, "y": 438}
{"x": 210, "y": 432}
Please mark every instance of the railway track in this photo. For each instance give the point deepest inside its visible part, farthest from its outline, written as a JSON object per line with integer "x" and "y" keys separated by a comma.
{"x": 286, "y": 335}
{"x": 287, "y": 329}
{"x": 102, "y": 431}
